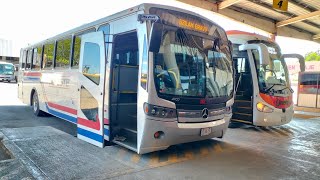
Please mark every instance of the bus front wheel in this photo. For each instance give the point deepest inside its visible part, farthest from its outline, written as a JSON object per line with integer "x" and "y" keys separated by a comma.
{"x": 35, "y": 105}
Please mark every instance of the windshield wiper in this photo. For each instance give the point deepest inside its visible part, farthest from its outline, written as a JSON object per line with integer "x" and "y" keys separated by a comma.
{"x": 290, "y": 89}
{"x": 268, "y": 90}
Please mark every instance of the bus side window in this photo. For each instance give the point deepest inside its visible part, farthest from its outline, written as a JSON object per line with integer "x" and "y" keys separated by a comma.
{"x": 24, "y": 59}
{"x": 63, "y": 53}
{"x": 76, "y": 52}
{"x": 29, "y": 59}
{"x": 76, "y": 48}
{"x": 36, "y": 59}
{"x": 48, "y": 56}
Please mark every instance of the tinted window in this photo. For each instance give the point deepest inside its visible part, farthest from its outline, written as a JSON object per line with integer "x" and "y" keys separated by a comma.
{"x": 76, "y": 52}
{"x": 126, "y": 49}
{"x": 63, "y": 53}
{"x": 24, "y": 59}
{"x": 36, "y": 58}
{"x": 76, "y": 48}
{"x": 48, "y": 56}
{"x": 91, "y": 62}
{"x": 29, "y": 60}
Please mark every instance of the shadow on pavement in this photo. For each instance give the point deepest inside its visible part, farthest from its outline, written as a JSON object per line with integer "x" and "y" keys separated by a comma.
{"x": 22, "y": 116}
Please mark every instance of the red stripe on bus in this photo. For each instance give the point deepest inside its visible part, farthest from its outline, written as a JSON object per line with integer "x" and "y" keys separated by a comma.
{"x": 106, "y": 121}
{"x": 89, "y": 123}
{"x": 63, "y": 108}
{"x": 32, "y": 74}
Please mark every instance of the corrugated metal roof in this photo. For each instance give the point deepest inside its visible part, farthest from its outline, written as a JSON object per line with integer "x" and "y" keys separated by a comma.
{"x": 263, "y": 9}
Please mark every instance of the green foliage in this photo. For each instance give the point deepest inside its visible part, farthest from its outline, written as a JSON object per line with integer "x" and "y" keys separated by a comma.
{"x": 313, "y": 56}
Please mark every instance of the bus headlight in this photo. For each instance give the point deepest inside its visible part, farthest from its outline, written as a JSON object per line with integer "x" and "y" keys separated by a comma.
{"x": 158, "y": 111}
{"x": 264, "y": 108}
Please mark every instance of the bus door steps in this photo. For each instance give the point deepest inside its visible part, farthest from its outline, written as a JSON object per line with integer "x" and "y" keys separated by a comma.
{"x": 242, "y": 116}
{"x": 242, "y": 103}
{"x": 126, "y": 137}
{"x": 240, "y": 93}
{"x": 241, "y": 121}
{"x": 243, "y": 97}
{"x": 240, "y": 109}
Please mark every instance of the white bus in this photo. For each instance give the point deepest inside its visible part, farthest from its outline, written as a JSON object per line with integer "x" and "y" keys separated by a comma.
{"x": 144, "y": 78}
{"x": 263, "y": 91}
{"x": 7, "y": 71}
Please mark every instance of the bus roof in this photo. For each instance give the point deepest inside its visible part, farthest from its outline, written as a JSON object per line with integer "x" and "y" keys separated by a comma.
{"x": 242, "y": 37}
{"x": 2, "y": 62}
{"x": 113, "y": 17}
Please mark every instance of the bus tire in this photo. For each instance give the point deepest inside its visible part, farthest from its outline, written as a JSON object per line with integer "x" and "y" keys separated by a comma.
{"x": 35, "y": 105}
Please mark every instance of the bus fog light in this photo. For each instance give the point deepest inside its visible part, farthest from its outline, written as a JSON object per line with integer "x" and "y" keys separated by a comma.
{"x": 158, "y": 134}
{"x": 264, "y": 108}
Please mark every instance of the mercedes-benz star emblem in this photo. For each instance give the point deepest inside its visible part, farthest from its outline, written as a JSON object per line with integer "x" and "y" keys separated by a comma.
{"x": 205, "y": 113}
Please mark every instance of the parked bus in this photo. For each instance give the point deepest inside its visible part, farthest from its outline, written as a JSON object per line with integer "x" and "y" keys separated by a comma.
{"x": 145, "y": 78}
{"x": 263, "y": 91}
{"x": 309, "y": 89}
{"x": 7, "y": 72}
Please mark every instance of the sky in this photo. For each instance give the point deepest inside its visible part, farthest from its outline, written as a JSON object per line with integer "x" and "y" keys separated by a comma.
{"x": 30, "y": 21}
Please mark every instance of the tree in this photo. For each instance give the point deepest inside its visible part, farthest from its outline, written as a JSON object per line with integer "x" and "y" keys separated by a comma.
{"x": 313, "y": 56}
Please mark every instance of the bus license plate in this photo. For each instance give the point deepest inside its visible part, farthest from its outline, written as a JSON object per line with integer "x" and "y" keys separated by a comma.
{"x": 205, "y": 131}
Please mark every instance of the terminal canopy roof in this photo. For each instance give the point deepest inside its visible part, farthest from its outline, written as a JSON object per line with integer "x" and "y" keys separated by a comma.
{"x": 301, "y": 20}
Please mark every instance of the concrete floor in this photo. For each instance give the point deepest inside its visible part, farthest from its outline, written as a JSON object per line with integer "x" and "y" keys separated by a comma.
{"x": 45, "y": 148}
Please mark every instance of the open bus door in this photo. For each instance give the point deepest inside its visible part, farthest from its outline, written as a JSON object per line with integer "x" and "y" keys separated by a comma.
{"x": 91, "y": 88}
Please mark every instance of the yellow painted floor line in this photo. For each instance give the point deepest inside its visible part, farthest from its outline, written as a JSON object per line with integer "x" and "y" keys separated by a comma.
{"x": 204, "y": 151}
{"x": 217, "y": 148}
{"x": 135, "y": 158}
{"x": 189, "y": 154}
{"x": 173, "y": 158}
{"x": 154, "y": 159}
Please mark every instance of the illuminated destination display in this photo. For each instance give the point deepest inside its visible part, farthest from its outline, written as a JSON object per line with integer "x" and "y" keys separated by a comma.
{"x": 191, "y": 25}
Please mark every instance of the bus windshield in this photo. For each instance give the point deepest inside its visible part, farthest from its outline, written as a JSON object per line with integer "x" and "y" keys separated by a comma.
{"x": 6, "y": 69}
{"x": 273, "y": 74}
{"x": 191, "y": 65}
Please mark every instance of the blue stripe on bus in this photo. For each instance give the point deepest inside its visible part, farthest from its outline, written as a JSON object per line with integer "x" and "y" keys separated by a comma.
{"x": 61, "y": 115}
{"x": 31, "y": 78}
{"x": 90, "y": 135}
{"x": 106, "y": 132}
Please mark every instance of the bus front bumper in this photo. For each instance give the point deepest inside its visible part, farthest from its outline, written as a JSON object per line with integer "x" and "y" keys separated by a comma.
{"x": 177, "y": 133}
{"x": 7, "y": 78}
{"x": 276, "y": 118}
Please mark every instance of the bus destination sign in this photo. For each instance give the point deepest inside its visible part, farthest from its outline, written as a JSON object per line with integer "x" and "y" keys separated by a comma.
{"x": 192, "y": 25}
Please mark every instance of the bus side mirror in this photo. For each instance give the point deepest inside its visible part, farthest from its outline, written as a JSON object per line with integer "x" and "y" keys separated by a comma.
{"x": 262, "y": 49}
{"x": 297, "y": 56}
{"x": 155, "y": 37}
